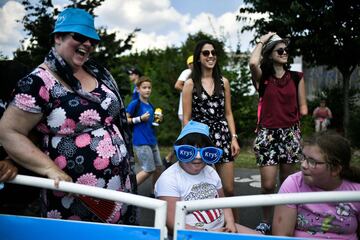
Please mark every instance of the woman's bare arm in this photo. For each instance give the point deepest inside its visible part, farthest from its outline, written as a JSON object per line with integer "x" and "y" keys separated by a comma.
{"x": 15, "y": 126}
{"x": 187, "y": 101}
{"x": 235, "y": 148}
{"x": 302, "y": 98}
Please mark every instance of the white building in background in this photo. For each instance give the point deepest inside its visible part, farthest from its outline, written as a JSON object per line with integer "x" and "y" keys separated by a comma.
{"x": 320, "y": 77}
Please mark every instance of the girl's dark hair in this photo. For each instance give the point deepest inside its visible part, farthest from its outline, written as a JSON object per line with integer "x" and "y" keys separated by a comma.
{"x": 195, "y": 139}
{"x": 196, "y": 72}
{"x": 266, "y": 64}
{"x": 337, "y": 152}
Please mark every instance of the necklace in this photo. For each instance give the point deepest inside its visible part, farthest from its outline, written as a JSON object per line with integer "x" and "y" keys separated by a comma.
{"x": 208, "y": 86}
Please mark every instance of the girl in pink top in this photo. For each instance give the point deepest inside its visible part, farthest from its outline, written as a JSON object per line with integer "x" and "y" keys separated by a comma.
{"x": 325, "y": 167}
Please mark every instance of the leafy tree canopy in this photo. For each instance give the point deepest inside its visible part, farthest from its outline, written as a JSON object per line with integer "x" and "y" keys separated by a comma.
{"x": 39, "y": 23}
{"x": 324, "y": 32}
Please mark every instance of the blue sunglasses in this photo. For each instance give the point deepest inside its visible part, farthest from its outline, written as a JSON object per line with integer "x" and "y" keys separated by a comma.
{"x": 187, "y": 153}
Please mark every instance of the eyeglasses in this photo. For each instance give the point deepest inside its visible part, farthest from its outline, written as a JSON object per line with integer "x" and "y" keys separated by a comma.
{"x": 311, "y": 162}
{"x": 281, "y": 51}
{"x": 206, "y": 53}
{"x": 81, "y": 39}
{"x": 187, "y": 153}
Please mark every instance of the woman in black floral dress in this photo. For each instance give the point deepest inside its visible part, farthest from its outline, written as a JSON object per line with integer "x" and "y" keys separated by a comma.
{"x": 75, "y": 104}
{"x": 207, "y": 99}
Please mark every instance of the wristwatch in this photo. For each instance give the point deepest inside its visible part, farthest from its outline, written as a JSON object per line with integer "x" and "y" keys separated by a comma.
{"x": 235, "y": 136}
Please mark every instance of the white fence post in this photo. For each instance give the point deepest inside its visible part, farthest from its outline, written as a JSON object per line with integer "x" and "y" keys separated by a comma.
{"x": 159, "y": 206}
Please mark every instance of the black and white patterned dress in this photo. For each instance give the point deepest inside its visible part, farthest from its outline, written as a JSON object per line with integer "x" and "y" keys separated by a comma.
{"x": 210, "y": 110}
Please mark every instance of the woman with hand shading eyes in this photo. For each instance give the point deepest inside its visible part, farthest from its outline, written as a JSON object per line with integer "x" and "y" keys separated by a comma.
{"x": 325, "y": 166}
{"x": 282, "y": 103}
{"x": 75, "y": 105}
{"x": 207, "y": 99}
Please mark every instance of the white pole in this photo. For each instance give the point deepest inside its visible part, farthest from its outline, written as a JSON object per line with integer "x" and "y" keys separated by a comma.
{"x": 159, "y": 206}
{"x": 160, "y": 220}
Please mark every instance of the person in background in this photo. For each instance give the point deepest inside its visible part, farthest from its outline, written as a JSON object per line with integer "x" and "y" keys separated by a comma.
{"x": 282, "y": 103}
{"x": 322, "y": 115}
{"x": 207, "y": 99}
{"x": 140, "y": 113}
{"x": 184, "y": 75}
{"x": 75, "y": 106}
{"x": 134, "y": 75}
{"x": 179, "y": 85}
{"x": 191, "y": 178}
{"x": 325, "y": 166}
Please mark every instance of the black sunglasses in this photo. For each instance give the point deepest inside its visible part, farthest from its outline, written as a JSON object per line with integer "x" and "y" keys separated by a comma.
{"x": 206, "y": 53}
{"x": 81, "y": 38}
{"x": 281, "y": 51}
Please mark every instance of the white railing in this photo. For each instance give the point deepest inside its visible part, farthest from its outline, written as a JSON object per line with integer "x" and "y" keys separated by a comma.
{"x": 158, "y": 206}
{"x": 183, "y": 207}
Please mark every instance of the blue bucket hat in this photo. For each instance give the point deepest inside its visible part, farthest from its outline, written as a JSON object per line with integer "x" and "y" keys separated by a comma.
{"x": 194, "y": 127}
{"x": 76, "y": 20}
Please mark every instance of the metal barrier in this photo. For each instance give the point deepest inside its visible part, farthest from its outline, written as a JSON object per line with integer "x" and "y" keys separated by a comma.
{"x": 108, "y": 231}
{"x": 158, "y": 206}
{"x": 183, "y": 207}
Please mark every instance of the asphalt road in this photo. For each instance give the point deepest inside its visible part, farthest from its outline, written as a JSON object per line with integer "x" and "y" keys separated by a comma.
{"x": 247, "y": 182}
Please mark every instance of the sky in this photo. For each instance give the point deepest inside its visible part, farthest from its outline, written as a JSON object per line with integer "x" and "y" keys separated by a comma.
{"x": 163, "y": 22}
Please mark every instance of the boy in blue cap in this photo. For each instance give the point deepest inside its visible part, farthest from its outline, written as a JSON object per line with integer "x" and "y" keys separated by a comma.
{"x": 191, "y": 178}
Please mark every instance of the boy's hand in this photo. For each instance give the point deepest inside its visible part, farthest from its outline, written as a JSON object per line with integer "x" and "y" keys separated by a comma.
{"x": 7, "y": 170}
{"x": 145, "y": 117}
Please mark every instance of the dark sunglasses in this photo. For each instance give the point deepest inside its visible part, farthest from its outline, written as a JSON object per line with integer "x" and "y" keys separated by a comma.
{"x": 281, "y": 51}
{"x": 81, "y": 38}
{"x": 206, "y": 53}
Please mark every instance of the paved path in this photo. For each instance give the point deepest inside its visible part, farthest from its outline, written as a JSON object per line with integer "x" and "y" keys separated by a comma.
{"x": 247, "y": 182}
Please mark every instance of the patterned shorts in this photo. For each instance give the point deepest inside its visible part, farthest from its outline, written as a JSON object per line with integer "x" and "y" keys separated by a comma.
{"x": 278, "y": 146}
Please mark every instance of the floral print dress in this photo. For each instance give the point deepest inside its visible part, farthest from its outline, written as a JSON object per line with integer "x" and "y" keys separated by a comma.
{"x": 210, "y": 110}
{"x": 83, "y": 139}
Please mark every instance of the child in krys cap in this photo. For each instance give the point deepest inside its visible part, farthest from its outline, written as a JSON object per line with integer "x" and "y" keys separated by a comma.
{"x": 191, "y": 178}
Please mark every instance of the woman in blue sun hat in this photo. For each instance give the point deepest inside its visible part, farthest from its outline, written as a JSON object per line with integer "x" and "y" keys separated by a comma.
{"x": 192, "y": 178}
{"x": 75, "y": 105}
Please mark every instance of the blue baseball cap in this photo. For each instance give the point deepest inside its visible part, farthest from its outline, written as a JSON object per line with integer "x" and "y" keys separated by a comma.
{"x": 194, "y": 127}
{"x": 78, "y": 21}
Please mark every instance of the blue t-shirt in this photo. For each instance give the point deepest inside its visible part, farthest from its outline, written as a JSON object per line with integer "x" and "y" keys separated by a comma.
{"x": 135, "y": 94}
{"x": 143, "y": 133}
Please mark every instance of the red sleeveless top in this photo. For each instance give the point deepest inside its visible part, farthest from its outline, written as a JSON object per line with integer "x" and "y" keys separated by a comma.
{"x": 279, "y": 108}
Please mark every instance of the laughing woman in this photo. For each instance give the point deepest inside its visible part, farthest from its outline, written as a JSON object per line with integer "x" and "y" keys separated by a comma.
{"x": 75, "y": 105}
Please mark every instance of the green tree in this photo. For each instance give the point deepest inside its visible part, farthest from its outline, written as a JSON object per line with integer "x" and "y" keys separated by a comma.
{"x": 243, "y": 102}
{"x": 164, "y": 67}
{"x": 324, "y": 32}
